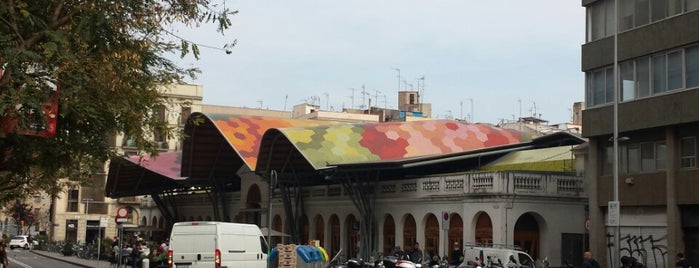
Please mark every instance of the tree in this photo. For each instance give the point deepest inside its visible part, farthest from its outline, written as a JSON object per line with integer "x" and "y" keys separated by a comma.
{"x": 103, "y": 62}
{"x": 22, "y": 216}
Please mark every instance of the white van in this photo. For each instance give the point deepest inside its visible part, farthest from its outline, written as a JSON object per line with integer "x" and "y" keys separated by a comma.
{"x": 217, "y": 244}
{"x": 496, "y": 256}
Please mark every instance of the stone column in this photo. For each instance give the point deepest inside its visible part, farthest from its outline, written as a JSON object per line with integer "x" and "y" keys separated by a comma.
{"x": 674, "y": 224}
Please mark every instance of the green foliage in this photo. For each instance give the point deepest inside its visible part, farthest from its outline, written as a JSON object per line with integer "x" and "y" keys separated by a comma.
{"x": 108, "y": 60}
{"x": 21, "y": 212}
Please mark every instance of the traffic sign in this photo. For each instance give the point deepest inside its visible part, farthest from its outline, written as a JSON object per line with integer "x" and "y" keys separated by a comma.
{"x": 613, "y": 213}
{"x": 104, "y": 222}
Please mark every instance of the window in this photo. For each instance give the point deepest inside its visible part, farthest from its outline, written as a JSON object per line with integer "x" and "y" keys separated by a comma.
{"x": 633, "y": 157}
{"x": 674, "y": 70}
{"x": 600, "y": 20}
{"x": 660, "y": 156}
{"x": 659, "y": 75}
{"x": 626, "y": 14}
{"x": 692, "y": 66}
{"x": 691, "y": 5}
{"x": 641, "y": 13}
{"x": 628, "y": 87}
{"x": 647, "y": 157}
{"x": 184, "y": 114}
{"x": 600, "y": 86}
{"x": 643, "y": 77}
{"x": 659, "y": 8}
{"x": 688, "y": 152}
{"x": 73, "y": 197}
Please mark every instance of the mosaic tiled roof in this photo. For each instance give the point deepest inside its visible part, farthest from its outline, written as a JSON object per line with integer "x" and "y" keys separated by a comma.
{"x": 167, "y": 164}
{"x": 555, "y": 159}
{"x": 244, "y": 133}
{"x": 354, "y": 143}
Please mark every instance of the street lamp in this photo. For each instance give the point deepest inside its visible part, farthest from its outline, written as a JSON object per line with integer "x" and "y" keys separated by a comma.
{"x": 614, "y": 206}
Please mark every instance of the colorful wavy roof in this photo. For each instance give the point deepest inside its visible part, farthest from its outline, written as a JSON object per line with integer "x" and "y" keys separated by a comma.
{"x": 555, "y": 159}
{"x": 244, "y": 133}
{"x": 354, "y": 143}
{"x": 168, "y": 164}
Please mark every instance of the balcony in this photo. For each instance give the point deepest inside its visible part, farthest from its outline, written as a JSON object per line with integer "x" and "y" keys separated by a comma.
{"x": 476, "y": 184}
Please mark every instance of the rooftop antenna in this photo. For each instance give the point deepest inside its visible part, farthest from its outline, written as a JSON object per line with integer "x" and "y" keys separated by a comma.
{"x": 421, "y": 90}
{"x": 376, "y": 97}
{"x": 260, "y": 102}
{"x": 405, "y": 84}
{"x": 364, "y": 94}
{"x": 286, "y": 98}
{"x": 398, "y": 70}
{"x": 461, "y": 104}
{"x": 327, "y": 100}
{"x": 351, "y": 98}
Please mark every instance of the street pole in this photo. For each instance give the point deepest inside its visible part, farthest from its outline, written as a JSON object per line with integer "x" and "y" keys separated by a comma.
{"x": 272, "y": 184}
{"x": 617, "y": 232}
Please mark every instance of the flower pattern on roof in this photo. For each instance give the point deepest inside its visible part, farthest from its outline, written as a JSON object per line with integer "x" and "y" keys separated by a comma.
{"x": 325, "y": 143}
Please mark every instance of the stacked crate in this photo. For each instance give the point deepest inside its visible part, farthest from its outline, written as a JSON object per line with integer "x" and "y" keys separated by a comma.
{"x": 287, "y": 256}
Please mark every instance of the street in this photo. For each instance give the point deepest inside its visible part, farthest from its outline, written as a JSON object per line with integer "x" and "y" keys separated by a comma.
{"x": 27, "y": 259}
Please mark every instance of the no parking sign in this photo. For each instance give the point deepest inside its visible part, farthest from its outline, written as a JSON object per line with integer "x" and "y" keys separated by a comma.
{"x": 445, "y": 220}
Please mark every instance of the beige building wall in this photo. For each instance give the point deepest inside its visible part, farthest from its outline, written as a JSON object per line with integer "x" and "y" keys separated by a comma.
{"x": 217, "y": 109}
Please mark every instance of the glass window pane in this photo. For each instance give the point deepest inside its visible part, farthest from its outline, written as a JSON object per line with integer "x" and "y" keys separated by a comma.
{"x": 674, "y": 7}
{"x": 598, "y": 87}
{"x": 692, "y": 5}
{"x": 609, "y": 18}
{"x": 658, "y": 9}
{"x": 588, "y": 89}
{"x": 660, "y": 156}
{"x": 596, "y": 21}
{"x": 628, "y": 87}
{"x": 641, "y": 13}
{"x": 692, "y": 66}
{"x": 609, "y": 96}
{"x": 643, "y": 77}
{"x": 688, "y": 152}
{"x": 633, "y": 159}
{"x": 647, "y": 157}
{"x": 626, "y": 14}
{"x": 674, "y": 70}
{"x": 659, "y": 75}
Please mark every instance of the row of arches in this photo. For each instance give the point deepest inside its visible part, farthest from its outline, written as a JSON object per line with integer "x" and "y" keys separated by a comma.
{"x": 155, "y": 222}
{"x": 526, "y": 232}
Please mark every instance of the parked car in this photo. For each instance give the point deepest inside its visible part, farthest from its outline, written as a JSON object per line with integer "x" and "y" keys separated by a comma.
{"x": 22, "y": 241}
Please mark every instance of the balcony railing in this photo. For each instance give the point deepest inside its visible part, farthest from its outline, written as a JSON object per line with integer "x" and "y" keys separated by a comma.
{"x": 494, "y": 183}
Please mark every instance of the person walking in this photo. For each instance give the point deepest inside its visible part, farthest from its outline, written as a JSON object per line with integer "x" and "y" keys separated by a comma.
{"x": 681, "y": 261}
{"x": 588, "y": 261}
{"x": 3, "y": 254}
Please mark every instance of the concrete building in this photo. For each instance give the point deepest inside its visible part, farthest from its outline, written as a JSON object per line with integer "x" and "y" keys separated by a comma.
{"x": 658, "y": 124}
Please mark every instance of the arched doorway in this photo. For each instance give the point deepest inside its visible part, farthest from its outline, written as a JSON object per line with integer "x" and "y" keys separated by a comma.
{"x": 431, "y": 233}
{"x": 320, "y": 230}
{"x": 352, "y": 236}
{"x": 484, "y": 229}
{"x": 144, "y": 221}
{"x": 252, "y": 205}
{"x": 527, "y": 234}
{"x": 277, "y": 226}
{"x": 389, "y": 234}
{"x": 409, "y": 232}
{"x": 334, "y": 234}
{"x": 305, "y": 229}
{"x": 456, "y": 233}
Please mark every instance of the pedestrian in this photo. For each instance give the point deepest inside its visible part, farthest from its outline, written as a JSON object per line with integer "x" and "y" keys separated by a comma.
{"x": 588, "y": 261}
{"x": 681, "y": 262}
{"x": 416, "y": 254}
{"x": 456, "y": 255}
{"x": 3, "y": 254}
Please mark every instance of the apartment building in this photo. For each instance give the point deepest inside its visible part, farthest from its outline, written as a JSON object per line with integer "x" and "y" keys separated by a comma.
{"x": 78, "y": 210}
{"x": 657, "y": 52}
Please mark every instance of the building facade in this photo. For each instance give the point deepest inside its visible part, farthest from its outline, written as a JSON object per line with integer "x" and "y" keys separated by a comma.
{"x": 78, "y": 210}
{"x": 657, "y": 53}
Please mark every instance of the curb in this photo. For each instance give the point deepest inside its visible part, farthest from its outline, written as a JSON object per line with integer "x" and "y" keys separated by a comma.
{"x": 60, "y": 259}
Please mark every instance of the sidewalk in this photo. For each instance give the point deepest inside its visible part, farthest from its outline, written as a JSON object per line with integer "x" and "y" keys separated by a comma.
{"x": 73, "y": 259}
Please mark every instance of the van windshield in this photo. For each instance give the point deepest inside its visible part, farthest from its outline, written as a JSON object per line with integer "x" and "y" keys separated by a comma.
{"x": 263, "y": 244}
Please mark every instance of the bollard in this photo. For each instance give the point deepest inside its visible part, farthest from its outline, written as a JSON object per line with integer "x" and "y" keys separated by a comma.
{"x": 145, "y": 263}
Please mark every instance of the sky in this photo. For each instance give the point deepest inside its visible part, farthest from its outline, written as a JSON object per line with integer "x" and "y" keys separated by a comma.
{"x": 483, "y": 60}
